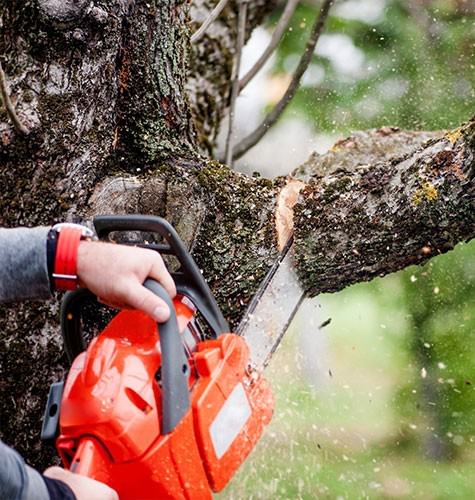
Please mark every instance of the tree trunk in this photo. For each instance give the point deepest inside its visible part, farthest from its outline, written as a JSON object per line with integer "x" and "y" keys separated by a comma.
{"x": 121, "y": 112}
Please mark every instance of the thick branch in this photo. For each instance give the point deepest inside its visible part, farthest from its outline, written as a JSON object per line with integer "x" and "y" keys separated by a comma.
{"x": 353, "y": 226}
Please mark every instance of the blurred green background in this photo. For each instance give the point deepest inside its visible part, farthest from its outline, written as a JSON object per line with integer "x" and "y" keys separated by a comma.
{"x": 381, "y": 402}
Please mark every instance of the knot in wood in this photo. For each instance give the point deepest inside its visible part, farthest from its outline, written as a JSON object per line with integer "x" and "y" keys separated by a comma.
{"x": 63, "y": 12}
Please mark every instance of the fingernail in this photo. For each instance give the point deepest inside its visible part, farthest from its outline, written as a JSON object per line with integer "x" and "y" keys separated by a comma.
{"x": 161, "y": 314}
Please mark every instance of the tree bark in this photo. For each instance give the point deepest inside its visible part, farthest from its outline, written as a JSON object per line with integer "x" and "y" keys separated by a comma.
{"x": 121, "y": 112}
{"x": 353, "y": 226}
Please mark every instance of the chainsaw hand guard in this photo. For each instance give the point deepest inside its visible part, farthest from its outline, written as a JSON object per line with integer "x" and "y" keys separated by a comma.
{"x": 188, "y": 279}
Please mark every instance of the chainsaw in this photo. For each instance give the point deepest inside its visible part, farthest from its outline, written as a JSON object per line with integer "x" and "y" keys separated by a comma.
{"x": 167, "y": 410}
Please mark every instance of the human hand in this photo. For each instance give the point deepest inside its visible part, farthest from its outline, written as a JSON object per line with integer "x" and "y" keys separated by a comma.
{"x": 115, "y": 273}
{"x": 84, "y": 488}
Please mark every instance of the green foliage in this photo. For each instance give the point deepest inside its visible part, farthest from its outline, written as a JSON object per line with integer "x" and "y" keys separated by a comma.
{"x": 440, "y": 302}
{"x": 414, "y": 67}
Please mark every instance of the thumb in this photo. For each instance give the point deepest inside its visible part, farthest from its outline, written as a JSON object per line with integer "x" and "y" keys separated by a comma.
{"x": 144, "y": 300}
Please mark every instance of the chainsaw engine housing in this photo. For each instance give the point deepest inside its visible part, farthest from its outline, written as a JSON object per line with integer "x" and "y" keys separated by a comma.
{"x": 110, "y": 421}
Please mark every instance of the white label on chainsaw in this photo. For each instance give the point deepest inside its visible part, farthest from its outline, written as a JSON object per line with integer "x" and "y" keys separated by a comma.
{"x": 230, "y": 420}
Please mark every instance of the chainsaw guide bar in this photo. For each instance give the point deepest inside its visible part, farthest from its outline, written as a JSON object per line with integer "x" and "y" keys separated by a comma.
{"x": 271, "y": 310}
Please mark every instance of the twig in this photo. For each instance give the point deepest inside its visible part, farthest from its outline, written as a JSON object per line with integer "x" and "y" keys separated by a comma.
{"x": 213, "y": 15}
{"x": 241, "y": 35}
{"x": 19, "y": 127}
{"x": 253, "y": 138}
{"x": 276, "y": 36}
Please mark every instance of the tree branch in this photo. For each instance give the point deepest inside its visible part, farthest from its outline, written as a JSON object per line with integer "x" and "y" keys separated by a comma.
{"x": 211, "y": 64}
{"x": 414, "y": 200}
{"x": 7, "y": 102}
{"x": 276, "y": 36}
{"x": 353, "y": 226}
{"x": 213, "y": 15}
{"x": 235, "y": 88}
{"x": 254, "y": 137}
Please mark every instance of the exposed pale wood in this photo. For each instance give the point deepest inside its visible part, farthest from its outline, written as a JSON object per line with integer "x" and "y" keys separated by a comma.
{"x": 284, "y": 216}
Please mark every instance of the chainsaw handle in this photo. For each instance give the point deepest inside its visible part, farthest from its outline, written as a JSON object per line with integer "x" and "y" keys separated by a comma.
{"x": 189, "y": 279}
{"x": 70, "y": 318}
{"x": 175, "y": 369}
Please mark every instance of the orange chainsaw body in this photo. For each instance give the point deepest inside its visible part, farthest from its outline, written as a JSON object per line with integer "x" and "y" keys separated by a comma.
{"x": 110, "y": 418}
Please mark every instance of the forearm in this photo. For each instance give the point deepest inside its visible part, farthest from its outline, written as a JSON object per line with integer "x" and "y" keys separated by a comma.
{"x": 23, "y": 265}
{"x": 18, "y": 481}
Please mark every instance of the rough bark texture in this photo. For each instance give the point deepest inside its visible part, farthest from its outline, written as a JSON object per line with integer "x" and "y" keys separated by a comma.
{"x": 374, "y": 219}
{"x": 121, "y": 111}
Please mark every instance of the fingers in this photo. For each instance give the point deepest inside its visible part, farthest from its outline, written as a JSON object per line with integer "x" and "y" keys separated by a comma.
{"x": 160, "y": 273}
{"x": 115, "y": 273}
{"x": 84, "y": 488}
{"x": 113, "y": 305}
{"x": 140, "y": 298}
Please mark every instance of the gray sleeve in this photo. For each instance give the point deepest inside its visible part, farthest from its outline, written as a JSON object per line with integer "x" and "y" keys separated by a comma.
{"x": 23, "y": 266}
{"x": 19, "y": 481}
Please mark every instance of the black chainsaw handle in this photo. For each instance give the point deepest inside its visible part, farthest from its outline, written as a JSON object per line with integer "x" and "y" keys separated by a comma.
{"x": 189, "y": 279}
{"x": 174, "y": 368}
{"x": 70, "y": 319}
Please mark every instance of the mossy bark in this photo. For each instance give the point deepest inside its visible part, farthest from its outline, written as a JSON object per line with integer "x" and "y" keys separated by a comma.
{"x": 122, "y": 111}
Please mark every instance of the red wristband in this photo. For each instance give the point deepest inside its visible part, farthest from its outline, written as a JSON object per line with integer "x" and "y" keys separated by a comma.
{"x": 65, "y": 262}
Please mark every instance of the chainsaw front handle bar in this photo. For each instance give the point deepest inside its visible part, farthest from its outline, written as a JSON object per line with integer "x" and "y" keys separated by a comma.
{"x": 175, "y": 369}
{"x": 174, "y": 365}
{"x": 189, "y": 280}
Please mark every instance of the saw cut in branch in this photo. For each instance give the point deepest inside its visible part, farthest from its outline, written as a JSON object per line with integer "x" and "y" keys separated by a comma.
{"x": 284, "y": 215}
{"x": 276, "y": 37}
{"x": 253, "y": 138}
{"x": 7, "y": 102}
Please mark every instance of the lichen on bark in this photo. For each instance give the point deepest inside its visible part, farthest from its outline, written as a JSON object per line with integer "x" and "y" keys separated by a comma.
{"x": 353, "y": 226}
{"x": 237, "y": 241}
